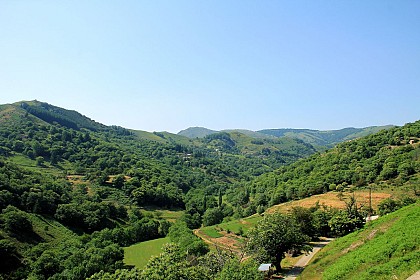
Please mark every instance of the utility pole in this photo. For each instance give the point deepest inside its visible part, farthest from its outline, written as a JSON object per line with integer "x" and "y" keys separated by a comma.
{"x": 370, "y": 203}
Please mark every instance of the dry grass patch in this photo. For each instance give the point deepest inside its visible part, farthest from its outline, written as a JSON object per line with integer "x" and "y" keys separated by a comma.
{"x": 331, "y": 199}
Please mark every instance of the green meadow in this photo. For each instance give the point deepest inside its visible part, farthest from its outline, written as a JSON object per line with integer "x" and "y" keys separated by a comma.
{"x": 140, "y": 253}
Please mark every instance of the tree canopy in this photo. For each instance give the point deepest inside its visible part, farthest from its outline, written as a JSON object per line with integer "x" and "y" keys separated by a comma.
{"x": 273, "y": 237}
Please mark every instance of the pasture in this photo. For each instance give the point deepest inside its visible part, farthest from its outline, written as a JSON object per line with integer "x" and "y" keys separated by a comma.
{"x": 140, "y": 253}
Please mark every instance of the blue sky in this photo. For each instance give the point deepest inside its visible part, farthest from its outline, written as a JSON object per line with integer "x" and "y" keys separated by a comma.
{"x": 168, "y": 65}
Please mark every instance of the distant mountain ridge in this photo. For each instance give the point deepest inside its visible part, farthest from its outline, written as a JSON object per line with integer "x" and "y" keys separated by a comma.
{"x": 74, "y": 120}
{"x": 266, "y": 152}
{"x": 325, "y": 138}
{"x": 317, "y": 138}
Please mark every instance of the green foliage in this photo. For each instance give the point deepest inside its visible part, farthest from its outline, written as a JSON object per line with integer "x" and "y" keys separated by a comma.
{"x": 120, "y": 274}
{"x": 320, "y": 221}
{"x": 88, "y": 215}
{"x": 9, "y": 257}
{"x": 212, "y": 216}
{"x": 211, "y": 232}
{"x": 140, "y": 253}
{"x": 236, "y": 270}
{"x": 389, "y": 205}
{"x": 303, "y": 217}
{"x": 94, "y": 178}
{"x": 325, "y": 138}
{"x": 342, "y": 223}
{"x": 172, "y": 264}
{"x": 346, "y": 221}
{"x": 386, "y": 155}
{"x": 273, "y": 236}
{"x": 15, "y": 221}
{"x": 387, "y": 248}
{"x": 193, "y": 221}
{"x": 180, "y": 234}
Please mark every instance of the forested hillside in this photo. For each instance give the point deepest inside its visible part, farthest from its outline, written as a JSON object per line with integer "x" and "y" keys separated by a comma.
{"x": 390, "y": 157}
{"x": 74, "y": 191}
{"x": 66, "y": 179}
{"x": 326, "y": 138}
{"x": 321, "y": 140}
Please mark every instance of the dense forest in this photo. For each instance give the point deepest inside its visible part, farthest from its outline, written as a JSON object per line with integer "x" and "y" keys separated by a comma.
{"x": 89, "y": 180}
{"x": 390, "y": 156}
{"x": 72, "y": 190}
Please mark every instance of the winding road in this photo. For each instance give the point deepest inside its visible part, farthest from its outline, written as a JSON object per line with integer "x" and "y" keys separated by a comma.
{"x": 302, "y": 262}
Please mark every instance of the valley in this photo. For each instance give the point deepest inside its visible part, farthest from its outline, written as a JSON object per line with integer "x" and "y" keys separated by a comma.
{"x": 82, "y": 200}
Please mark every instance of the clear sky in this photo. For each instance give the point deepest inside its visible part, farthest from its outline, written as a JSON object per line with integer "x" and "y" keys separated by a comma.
{"x": 168, "y": 65}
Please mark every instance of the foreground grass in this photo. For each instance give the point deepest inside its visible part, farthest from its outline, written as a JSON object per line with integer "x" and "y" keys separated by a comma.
{"x": 388, "y": 248}
{"x": 140, "y": 253}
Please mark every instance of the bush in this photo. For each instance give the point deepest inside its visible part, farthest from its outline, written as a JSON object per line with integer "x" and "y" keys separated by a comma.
{"x": 15, "y": 220}
{"x": 388, "y": 205}
{"x": 212, "y": 216}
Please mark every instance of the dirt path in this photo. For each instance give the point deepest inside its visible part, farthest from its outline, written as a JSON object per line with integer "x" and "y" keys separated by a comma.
{"x": 415, "y": 276}
{"x": 302, "y": 262}
{"x": 297, "y": 268}
{"x": 211, "y": 241}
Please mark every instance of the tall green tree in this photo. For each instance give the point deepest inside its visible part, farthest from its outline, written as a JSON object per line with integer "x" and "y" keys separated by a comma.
{"x": 273, "y": 236}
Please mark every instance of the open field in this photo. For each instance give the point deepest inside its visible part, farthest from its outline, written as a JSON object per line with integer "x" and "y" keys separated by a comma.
{"x": 140, "y": 253}
{"x": 240, "y": 226}
{"x": 170, "y": 215}
{"x": 331, "y": 199}
{"x": 29, "y": 164}
{"x": 229, "y": 235}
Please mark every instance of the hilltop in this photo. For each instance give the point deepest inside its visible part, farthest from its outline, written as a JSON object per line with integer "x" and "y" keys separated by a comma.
{"x": 196, "y": 132}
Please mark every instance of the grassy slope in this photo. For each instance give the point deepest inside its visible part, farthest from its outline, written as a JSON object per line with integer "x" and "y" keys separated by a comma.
{"x": 45, "y": 230}
{"x": 388, "y": 248}
{"x": 140, "y": 253}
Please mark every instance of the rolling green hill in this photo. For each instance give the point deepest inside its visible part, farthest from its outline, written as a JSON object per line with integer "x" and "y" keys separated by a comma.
{"x": 250, "y": 133}
{"x": 88, "y": 179}
{"x": 389, "y": 156}
{"x": 388, "y": 248}
{"x": 67, "y": 118}
{"x": 326, "y": 138}
{"x": 65, "y": 176}
{"x": 196, "y": 132}
{"x": 319, "y": 139}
